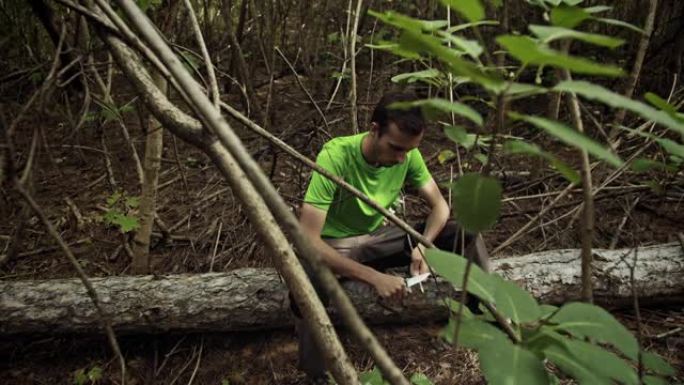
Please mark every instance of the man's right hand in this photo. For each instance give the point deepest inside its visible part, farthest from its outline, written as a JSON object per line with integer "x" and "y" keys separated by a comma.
{"x": 389, "y": 286}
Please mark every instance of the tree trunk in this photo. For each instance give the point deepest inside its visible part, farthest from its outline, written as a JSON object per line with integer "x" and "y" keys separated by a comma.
{"x": 253, "y": 299}
{"x": 148, "y": 201}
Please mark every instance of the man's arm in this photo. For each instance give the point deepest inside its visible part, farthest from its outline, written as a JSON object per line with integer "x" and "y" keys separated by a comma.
{"x": 434, "y": 224}
{"x": 312, "y": 220}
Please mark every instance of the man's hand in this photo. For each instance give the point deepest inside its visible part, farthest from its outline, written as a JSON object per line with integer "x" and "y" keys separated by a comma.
{"x": 418, "y": 264}
{"x": 389, "y": 286}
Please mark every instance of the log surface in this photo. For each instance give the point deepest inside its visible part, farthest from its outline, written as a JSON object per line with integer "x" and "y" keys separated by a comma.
{"x": 253, "y": 299}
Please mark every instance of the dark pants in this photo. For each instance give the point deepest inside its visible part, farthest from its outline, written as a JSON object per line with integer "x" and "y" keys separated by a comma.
{"x": 385, "y": 248}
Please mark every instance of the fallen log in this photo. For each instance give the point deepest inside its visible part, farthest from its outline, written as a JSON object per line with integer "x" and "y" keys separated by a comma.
{"x": 253, "y": 299}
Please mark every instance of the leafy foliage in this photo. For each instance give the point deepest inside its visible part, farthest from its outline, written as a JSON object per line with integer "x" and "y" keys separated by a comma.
{"x": 121, "y": 212}
{"x": 579, "y": 339}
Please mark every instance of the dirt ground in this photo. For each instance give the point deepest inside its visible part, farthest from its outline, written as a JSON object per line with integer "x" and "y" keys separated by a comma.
{"x": 197, "y": 204}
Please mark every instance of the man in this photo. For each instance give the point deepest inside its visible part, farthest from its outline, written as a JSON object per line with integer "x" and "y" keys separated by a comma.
{"x": 349, "y": 234}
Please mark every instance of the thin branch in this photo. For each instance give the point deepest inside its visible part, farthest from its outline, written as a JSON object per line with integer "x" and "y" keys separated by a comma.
{"x": 213, "y": 84}
{"x": 353, "y": 109}
{"x": 301, "y": 85}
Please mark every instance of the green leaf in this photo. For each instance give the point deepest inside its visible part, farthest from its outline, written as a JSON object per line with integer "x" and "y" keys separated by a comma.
{"x": 474, "y": 334}
{"x": 395, "y": 49}
{"x": 548, "y": 34}
{"x": 547, "y": 310}
{"x": 570, "y": 137}
{"x": 445, "y": 156}
{"x": 459, "y": 135}
{"x": 657, "y": 364}
{"x": 669, "y": 145}
{"x": 472, "y": 10}
{"x": 529, "y": 51}
{"x": 452, "y": 266}
{"x": 568, "y": 363}
{"x": 663, "y": 105}
{"x": 80, "y": 377}
{"x": 124, "y": 222}
{"x": 482, "y": 158}
{"x": 514, "y": 302}
{"x": 643, "y": 165}
{"x": 442, "y": 105}
{"x": 602, "y": 361}
{"x": 590, "y": 321}
{"x": 597, "y": 9}
{"x": 419, "y": 42}
{"x": 411, "y": 77}
{"x": 477, "y": 201}
{"x": 471, "y": 47}
{"x": 420, "y": 379}
{"x": 620, "y": 23}
{"x": 509, "y": 364}
{"x": 463, "y": 26}
{"x": 95, "y": 374}
{"x": 568, "y": 17}
{"x": 114, "y": 198}
{"x": 595, "y": 92}
{"x": 655, "y": 380}
{"x": 405, "y": 22}
{"x": 133, "y": 202}
{"x": 374, "y": 377}
{"x": 521, "y": 147}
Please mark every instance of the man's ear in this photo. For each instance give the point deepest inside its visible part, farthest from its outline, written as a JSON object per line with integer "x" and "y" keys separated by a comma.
{"x": 375, "y": 129}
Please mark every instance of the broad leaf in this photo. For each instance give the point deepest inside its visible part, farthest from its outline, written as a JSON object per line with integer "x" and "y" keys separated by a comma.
{"x": 570, "y": 137}
{"x": 420, "y": 42}
{"x": 452, "y": 267}
{"x": 549, "y": 34}
{"x": 420, "y": 379}
{"x": 597, "y": 9}
{"x": 394, "y": 48}
{"x": 445, "y": 156}
{"x": 568, "y": 17}
{"x": 657, "y": 364}
{"x": 442, "y": 105}
{"x": 522, "y": 147}
{"x": 601, "y": 361}
{"x": 477, "y": 201}
{"x": 459, "y": 135}
{"x": 471, "y": 47}
{"x": 595, "y": 92}
{"x": 463, "y": 26}
{"x": 655, "y": 380}
{"x": 529, "y": 51}
{"x": 509, "y": 364}
{"x": 568, "y": 363}
{"x": 472, "y": 10}
{"x": 620, "y": 23}
{"x": 431, "y": 75}
{"x": 373, "y": 377}
{"x": 514, "y": 302}
{"x": 664, "y": 105}
{"x": 590, "y": 321}
{"x": 669, "y": 145}
{"x": 474, "y": 334}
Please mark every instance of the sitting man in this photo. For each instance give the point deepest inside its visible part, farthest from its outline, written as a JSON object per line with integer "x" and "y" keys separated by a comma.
{"x": 349, "y": 234}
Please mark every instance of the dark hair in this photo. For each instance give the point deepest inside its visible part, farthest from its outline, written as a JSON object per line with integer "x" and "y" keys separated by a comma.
{"x": 408, "y": 120}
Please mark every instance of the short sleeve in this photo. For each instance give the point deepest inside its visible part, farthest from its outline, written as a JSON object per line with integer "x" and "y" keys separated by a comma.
{"x": 418, "y": 174}
{"x": 321, "y": 190}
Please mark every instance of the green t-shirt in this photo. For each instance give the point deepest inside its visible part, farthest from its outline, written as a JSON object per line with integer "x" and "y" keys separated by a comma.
{"x": 347, "y": 215}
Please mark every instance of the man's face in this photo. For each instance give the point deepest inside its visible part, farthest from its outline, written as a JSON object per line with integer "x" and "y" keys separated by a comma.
{"x": 391, "y": 148}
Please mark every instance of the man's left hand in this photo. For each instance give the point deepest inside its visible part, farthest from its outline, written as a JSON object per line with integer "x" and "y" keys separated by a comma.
{"x": 418, "y": 264}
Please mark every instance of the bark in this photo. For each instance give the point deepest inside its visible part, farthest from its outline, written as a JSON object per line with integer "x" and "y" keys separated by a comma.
{"x": 256, "y": 299}
{"x": 148, "y": 201}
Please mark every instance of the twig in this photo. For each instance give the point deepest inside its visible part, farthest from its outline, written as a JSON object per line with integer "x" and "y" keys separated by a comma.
{"x": 213, "y": 84}
{"x": 668, "y": 333}
{"x": 344, "y": 62}
{"x": 353, "y": 109}
{"x": 628, "y": 213}
{"x": 213, "y": 253}
{"x": 301, "y": 85}
{"x": 199, "y": 359}
{"x": 104, "y": 317}
{"x": 76, "y": 212}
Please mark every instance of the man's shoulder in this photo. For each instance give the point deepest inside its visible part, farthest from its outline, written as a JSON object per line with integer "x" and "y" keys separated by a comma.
{"x": 344, "y": 142}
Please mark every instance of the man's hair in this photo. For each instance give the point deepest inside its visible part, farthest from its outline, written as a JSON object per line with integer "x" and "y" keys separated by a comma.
{"x": 409, "y": 121}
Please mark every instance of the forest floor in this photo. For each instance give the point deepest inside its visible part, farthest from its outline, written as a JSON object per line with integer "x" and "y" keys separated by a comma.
{"x": 210, "y": 229}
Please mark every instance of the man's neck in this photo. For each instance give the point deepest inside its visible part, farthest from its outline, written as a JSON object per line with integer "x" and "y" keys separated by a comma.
{"x": 368, "y": 152}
